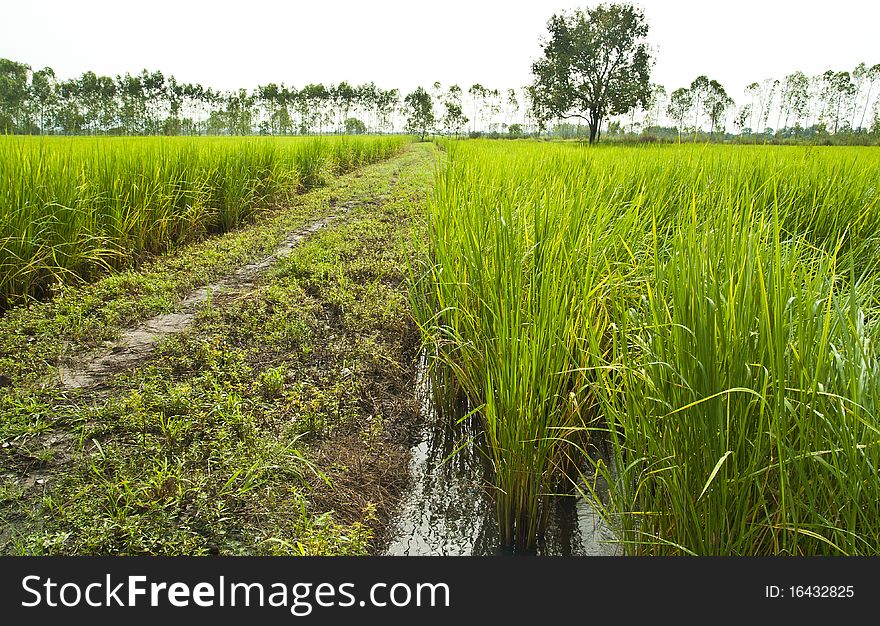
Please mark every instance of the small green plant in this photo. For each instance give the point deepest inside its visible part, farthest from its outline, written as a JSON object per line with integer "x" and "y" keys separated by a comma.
{"x": 272, "y": 381}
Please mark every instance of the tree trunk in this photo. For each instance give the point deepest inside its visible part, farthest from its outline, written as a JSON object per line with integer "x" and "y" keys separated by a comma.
{"x": 867, "y": 103}
{"x": 593, "y": 123}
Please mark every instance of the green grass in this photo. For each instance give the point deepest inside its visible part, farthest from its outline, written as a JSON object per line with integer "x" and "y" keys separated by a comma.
{"x": 276, "y": 424}
{"x": 708, "y": 313}
{"x": 72, "y": 208}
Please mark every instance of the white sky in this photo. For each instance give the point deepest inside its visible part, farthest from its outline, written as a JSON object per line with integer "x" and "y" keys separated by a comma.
{"x": 400, "y": 43}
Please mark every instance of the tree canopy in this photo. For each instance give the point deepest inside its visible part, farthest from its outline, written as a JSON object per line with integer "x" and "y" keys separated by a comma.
{"x": 596, "y": 63}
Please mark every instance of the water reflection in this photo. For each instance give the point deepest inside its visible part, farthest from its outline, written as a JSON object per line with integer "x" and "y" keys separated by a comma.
{"x": 448, "y": 509}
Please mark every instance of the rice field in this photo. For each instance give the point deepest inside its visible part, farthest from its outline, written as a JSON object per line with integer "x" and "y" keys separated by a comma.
{"x": 695, "y": 326}
{"x": 70, "y": 209}
{"x": 684, "y": 335}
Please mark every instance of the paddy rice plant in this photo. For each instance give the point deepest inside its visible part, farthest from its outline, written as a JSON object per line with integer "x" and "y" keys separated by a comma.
{"x": 500, "y": 311}
{"x": 742, "y": 400}
{"x": 73, "y": 208}
{"x": 706, "y": 314}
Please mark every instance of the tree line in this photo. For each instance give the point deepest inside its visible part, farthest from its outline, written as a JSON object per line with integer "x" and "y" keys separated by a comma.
{"x": 798, "y": 105}
{"x": 151, "y": 103}
{"x": 595, "y": 67}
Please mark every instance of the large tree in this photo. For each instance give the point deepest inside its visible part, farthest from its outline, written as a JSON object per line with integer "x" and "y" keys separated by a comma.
{"x": 595, "y": 63}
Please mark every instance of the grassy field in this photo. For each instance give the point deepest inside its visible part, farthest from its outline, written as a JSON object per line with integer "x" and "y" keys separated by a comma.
{"x": 277, "y": 422}
{"x": 684, "y": 334}
{"x": 696, "y": 325}
{"x": 72, "y": 208}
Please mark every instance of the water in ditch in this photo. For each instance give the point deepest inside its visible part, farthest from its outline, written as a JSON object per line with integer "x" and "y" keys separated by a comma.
{"x": 448, "y": 509}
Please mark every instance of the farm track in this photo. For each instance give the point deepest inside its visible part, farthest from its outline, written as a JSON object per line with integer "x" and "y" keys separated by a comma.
{"x": 136, "y": 344}
{"x": 91, "y": 372}
{"x": 359, "y": 459}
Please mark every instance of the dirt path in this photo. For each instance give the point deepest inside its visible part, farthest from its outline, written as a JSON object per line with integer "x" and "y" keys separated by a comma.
{"x": 136, "y": 344}
{"x": 260, "y": 417}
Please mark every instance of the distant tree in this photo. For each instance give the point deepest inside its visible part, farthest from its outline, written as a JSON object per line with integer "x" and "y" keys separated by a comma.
{"x": 771, "y": 91}
{"x": 67, "y": 116}
{"x": 97, "y": 95}
{"x": 310, "y": 101}
{"x": 209, "y": 101}
{"x": 13, "y": 95}
{"x": 527, "y": 108}
{"x": 419, "y": 112}
{"x": 153, "y": 84}
{"x": 437, "y": 98}
{"x": 454, "y": 119}
{"x": 865, "y": 77}
{"x": 699, "y": 93}
{"x": 654, "y": 110}
{"x": 515, "y": 130}
{"x": 708, "y": 96}
{"x": 174, "y": 96}
{"x": 132, "y": 104}
{"x": 478, "y": 95}
{"x": 493, "y": 103}
{"x": 281, "y": 116}
{"x": 839, "y": 90}
{"x": 44, "y": 96}
{"x": 239, "y": 112}
{"x": 762, "y": 95}
{"x": 216, "y": 123}
{"x": 386, "y": 104}
{"x": 875, "y": 124}
{"x": 268, "y": 97}
{"x": 814, "y": 101}
{"x": 716, "y": 103}
{"x": 594, "y": 64}
{"x": 511, "y": 106}
{"x": 365, "y": 104}
{"x": 741, "y": 120}
{"x": 753, "y": 90}
{"x": 794, "y": 98}
{"x": 343, "y": 97}
{"x": 108, "y": 115}
{"x": 679, "y": 109}
{"x": 354, "y": 126}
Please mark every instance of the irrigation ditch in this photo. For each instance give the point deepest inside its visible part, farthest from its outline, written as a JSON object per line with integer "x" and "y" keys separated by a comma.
{"x": 448, "y": 507}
